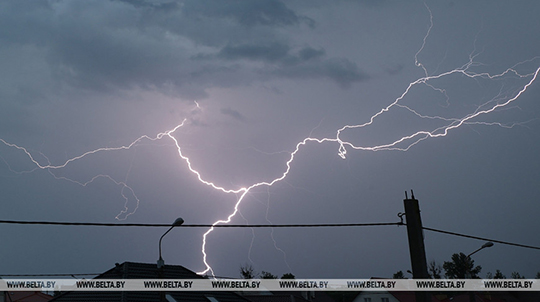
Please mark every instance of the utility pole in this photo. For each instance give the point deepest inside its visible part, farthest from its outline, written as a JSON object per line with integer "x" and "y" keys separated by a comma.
{"x": 416, "y": 243}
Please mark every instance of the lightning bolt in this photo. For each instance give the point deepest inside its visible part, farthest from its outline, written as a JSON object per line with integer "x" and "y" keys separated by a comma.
{"x": 500, "y": 102}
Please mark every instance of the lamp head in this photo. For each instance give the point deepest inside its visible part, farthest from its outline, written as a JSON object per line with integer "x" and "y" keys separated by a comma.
{"x": 179, "y": 221}
{"x": 487, "y": 244}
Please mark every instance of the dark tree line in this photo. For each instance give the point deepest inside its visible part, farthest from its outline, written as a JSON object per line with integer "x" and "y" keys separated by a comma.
{"x": 247, "y": 272}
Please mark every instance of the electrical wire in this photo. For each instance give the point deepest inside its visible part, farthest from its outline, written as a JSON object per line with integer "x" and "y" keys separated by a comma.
{"x": 481, "y": 238}
{"x": 239, "y": 226}
{"x": 322, "y": 225}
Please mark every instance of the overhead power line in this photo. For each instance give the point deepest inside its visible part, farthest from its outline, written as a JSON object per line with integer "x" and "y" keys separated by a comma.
{"x": 481, "y": 238}
{"x": 321, "y": 225}
{"x": 103, "y": 224}
{"x": 237, "y": 226}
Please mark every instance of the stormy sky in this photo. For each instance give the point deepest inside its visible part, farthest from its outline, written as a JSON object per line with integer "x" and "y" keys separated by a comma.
{"x": 251, "y": 80}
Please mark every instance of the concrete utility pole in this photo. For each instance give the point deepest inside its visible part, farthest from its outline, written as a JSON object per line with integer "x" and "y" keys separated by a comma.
{"x": 416, "y": 243}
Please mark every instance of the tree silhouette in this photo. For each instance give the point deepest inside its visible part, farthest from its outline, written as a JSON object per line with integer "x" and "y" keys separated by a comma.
{"x": 288, "y": 276}
{"x": 267, "y": 275}
{"x": 461, "y": 267}
{"x": 434, "y": 270}
{"x": 247, "y": 272}
{"x": 498, "y": 275}
{"x": 399, "y": 275}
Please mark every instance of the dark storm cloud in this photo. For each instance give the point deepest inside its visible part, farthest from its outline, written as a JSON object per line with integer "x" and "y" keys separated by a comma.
{"x": 341, "y": 71}
{"x": 96, "y": 45}
{"x": 310, "y": 53}
{"x": 307, "y": 63}
{"x": 233, "y": 113}
{"x": 166, "y": 6}
{"x": 270, "y": 53}
{"x": 246, "y": 12}
{"x": 24, "y": 23}
{"x": 104, "y": 46}
{"x": 274, "y": 52}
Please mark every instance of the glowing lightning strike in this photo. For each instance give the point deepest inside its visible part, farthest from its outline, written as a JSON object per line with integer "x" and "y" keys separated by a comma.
{"x": 412, "y": 139}
{"x": 122, "y": 184}
{"x": 409, "y": 140}
{"x": 415, "y": 137}
{"x": 401, "y": 144}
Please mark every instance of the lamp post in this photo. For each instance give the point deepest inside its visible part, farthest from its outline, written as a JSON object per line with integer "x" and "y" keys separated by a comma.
{"x": 468, "y": 259}
{"x": 160, "y": 262}
{"x": 179, "y": 221}
{"x": 485, "y": 245}
{"x": 472, "y": 298}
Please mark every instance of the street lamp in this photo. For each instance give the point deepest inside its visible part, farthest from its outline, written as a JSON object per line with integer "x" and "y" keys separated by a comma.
{"x": 472, "y": 298}
{"x": 177, "y": 222}
{"x": 487, "y": 244}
